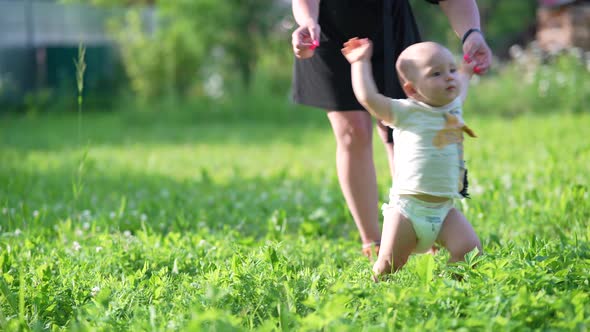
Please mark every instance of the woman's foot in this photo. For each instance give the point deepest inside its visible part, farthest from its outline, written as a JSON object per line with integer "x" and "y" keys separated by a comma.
{"x": 371, "y": 250}
{"x": 433, "y": 250}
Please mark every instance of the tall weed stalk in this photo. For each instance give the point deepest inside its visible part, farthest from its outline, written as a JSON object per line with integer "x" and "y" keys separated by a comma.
{"x": 80, "y": 63}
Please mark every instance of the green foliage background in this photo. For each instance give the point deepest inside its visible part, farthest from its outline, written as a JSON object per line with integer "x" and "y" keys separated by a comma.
{"x": 237, "y": 41}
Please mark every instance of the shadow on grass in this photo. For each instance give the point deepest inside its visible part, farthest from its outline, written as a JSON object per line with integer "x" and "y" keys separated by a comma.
{"x": 63, "y": 131}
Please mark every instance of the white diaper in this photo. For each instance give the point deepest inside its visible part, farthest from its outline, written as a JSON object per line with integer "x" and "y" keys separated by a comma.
{"x": 426, "y": 217}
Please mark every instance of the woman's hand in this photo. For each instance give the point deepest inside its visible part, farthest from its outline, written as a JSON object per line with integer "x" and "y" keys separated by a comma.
{"x": 476, "y": 49}
{"x": 305, "y": 39}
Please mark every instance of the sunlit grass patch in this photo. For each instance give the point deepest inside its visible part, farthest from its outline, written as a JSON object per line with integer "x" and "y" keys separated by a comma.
{"x": 226, "y": 225}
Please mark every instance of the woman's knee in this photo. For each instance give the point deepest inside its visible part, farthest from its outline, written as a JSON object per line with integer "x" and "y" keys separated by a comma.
{"x": 354, "y": 136}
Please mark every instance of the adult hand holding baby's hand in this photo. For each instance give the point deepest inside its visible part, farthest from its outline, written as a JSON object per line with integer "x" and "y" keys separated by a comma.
{"x": 356, "y": 49}
{"x": 476, "y": 49}
{"x": 469, "y": 67}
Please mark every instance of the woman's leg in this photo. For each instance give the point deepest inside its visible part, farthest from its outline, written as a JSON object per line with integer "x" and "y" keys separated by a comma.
{"x": 356, "y": 170}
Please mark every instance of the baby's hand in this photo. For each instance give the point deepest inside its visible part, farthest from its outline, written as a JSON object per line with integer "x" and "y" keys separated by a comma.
{"x": 357, "y": 49}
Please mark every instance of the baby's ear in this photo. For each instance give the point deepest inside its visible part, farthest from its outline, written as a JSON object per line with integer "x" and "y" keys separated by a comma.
{"x": 409, "y": 89}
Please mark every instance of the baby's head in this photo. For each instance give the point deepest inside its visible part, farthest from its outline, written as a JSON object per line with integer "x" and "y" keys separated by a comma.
{"x": 428, "y": 73}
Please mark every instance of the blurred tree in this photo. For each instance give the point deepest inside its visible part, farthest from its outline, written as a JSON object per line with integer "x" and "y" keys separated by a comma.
{"x": 178, "y": 47}
{"x": 187, "y": 40}
{"x": 504, "y": 22}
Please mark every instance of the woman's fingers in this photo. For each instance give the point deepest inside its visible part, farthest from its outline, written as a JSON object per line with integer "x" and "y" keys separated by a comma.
{"x": 476, "y": 49}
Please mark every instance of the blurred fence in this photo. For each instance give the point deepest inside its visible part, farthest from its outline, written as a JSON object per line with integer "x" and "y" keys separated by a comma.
{"x": 28, "y": 23}
{"x": 39, "y": 40}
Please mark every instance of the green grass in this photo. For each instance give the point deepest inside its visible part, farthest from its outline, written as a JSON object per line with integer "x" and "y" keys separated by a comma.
{"x": 168, "y": 222}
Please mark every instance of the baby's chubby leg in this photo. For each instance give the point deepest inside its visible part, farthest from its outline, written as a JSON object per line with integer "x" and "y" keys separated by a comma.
{"x": 458, "y": 236}
{"x": 398, "y": 241}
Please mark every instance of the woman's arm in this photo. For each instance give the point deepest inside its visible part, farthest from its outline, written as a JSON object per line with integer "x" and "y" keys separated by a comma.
{"x": 307, "y": 34}
{"x": 306, "y": 11}
{"x": 464, "y": 15}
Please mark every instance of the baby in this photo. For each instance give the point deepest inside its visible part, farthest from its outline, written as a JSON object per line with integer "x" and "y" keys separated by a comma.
{"x": 428, "y": 150}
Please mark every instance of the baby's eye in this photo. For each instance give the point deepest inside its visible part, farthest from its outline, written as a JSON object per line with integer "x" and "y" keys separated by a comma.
{"x": 436, "y": 73}
{"x": 453, "y": 70}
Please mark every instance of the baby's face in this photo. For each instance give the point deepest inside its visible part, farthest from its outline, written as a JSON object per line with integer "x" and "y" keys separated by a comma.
{"x": 436, "y": 79}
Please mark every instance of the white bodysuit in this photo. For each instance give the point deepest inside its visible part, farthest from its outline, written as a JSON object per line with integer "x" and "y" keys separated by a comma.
{"x": 428, "y": 160}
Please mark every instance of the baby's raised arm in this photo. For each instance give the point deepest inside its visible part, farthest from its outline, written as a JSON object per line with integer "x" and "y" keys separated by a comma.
{"x": 358, "y": 52}
{"x": 466, "y": 71}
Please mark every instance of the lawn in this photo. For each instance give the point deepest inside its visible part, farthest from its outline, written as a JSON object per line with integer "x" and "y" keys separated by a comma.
{"x": 131, "y": 221}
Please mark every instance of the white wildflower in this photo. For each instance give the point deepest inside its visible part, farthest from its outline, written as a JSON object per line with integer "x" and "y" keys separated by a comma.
{"x": 512, "y": 203}
{"x": 143, "y": 217}
{"x": 35, "y": 214}
{"x": 127, "y": 233}
{"x": 172, "y": 325}
{"x": 516, "y": 51}
{"x": 477, "y": 189}
{"x": 94, "y": 291}
{"x": 17, "y": 232}
{"x": 76, "y": 246}
{"x": 214, "y": 86}
{"x": 98, "y": 249}
{"x": 507, "y": 181}
{"x": 560, "y": 79}
{"x": 86, "y": 226}
{"x": 112, "y": 215}
{"x": 543, "y": 88}
{"x": 175, "y": 266}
